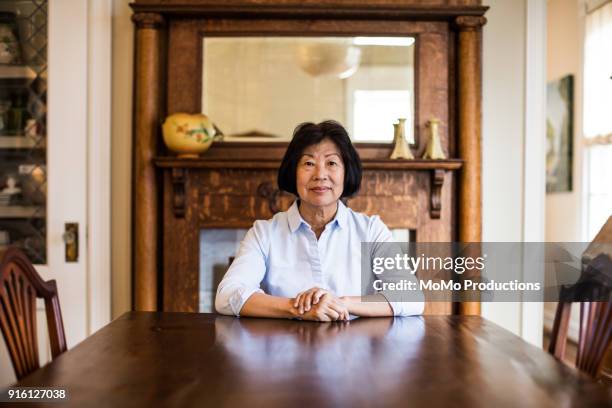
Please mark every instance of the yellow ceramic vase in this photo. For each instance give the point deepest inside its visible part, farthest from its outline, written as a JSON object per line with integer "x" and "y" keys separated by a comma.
{"x": 188, "y": 134}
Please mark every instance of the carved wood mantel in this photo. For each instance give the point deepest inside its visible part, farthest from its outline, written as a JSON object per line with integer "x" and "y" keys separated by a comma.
{"x": 179, "y": 169}
{"x": 233, "y": 184}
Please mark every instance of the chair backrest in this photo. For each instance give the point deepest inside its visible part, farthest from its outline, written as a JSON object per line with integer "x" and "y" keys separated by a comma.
{"x": 594, "y": 340}
{"x": 20, "y": 285}
{"x": 595, "y": 327}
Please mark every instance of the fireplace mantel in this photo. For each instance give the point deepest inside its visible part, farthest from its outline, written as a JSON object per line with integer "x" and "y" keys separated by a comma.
{"x": 180, "y": 166}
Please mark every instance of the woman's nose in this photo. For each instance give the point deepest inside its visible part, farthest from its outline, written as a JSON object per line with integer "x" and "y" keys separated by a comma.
{"x": 320, "y": 173}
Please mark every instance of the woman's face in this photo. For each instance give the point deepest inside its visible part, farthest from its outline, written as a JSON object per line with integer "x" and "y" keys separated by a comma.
{"x": 320, "y": 174}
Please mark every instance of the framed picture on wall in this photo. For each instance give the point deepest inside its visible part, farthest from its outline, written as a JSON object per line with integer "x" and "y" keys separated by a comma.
{"x": 559, "y": 134}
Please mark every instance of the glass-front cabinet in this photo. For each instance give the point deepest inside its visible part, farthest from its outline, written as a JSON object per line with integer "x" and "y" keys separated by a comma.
{"x": 23, "y": 135}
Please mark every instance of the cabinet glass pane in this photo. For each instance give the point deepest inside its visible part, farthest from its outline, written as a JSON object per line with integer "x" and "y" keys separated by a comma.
{"x": 23, "y": 138}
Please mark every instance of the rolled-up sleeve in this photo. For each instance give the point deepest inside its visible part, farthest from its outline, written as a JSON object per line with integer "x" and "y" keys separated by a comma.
{"x": 409, "y": 308}
{"x": 244, "y": 276}
{"x": 411, "y": 305}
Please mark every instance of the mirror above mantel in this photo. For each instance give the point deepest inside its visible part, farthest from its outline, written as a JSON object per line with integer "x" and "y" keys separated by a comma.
{"x": 260, "y": 88}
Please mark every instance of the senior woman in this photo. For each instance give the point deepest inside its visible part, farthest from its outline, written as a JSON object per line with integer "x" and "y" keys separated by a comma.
{"x": 306, "y": 262}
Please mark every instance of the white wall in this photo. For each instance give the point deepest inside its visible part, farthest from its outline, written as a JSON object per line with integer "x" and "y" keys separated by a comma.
{"x": 503, "y": 76}
{"x": 565, "y": 39}
{"x": 512, "y": 199}
{"x": 565, "y": 30}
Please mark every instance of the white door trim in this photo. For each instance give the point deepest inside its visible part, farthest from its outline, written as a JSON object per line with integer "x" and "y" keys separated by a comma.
{"x": 99, "y": 62}
{"x": 534, "y": 170}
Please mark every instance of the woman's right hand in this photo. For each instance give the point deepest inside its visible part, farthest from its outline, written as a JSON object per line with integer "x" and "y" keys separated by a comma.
{"x": 328, "y": 308}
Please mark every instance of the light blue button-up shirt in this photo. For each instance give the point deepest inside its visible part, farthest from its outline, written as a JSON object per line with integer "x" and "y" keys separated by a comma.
{"x": 282, "y": 257}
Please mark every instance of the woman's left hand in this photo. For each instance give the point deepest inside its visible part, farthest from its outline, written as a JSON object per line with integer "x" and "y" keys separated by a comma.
{"x": 304, "y": 300}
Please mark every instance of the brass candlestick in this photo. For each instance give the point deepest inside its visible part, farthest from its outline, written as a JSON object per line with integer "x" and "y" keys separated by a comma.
{"x": 434, "y": 147}
{"x": 400, "y": 146}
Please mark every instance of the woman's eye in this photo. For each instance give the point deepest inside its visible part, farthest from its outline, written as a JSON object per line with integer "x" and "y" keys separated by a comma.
{"x": 309, "y": 163}
{"x": 333, "y": 163}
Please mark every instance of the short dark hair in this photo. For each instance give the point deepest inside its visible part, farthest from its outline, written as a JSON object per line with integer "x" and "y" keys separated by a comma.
{"x": 308, "y": 134}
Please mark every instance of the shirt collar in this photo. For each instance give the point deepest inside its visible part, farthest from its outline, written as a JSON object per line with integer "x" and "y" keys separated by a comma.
{"x": 295, "y": 219}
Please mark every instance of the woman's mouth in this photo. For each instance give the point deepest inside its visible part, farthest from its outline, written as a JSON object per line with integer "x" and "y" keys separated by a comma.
{"x": 320, "y": 189}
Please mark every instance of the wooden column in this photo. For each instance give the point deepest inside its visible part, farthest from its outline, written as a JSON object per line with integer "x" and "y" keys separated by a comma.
{"x": 469, "y": 92}
{"x": 147, "y": 108}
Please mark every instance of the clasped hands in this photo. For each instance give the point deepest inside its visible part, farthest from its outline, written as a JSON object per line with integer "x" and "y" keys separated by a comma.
{"x": 321, "y": 305}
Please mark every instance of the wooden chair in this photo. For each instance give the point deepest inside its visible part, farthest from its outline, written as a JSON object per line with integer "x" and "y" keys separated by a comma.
{"x": 20, "y": 285}
{"x": 593, "y": 291}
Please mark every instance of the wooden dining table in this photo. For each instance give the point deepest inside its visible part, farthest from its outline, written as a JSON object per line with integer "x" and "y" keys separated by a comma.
{"x": 146, "y": 359}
